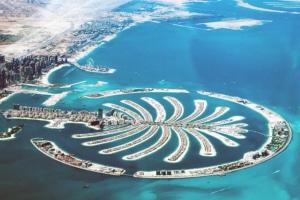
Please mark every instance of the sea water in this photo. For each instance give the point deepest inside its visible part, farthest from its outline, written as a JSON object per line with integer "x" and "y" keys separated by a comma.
{"x": 258, "y": 63}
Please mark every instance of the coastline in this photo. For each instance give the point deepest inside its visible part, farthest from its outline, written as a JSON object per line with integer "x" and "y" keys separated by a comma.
{"x": 90, "y": 48}
{"x": 4, "y": 99}
{"x": 11, "y": 133}
{"x": 17, "y": 89}
{"x": 44, "y": 80}
{"x": 12, "y": 137}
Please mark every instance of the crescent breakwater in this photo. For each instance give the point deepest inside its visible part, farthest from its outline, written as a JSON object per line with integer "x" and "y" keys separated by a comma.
{"x": 51, "y": 150}
{"x": 133, "y": 91}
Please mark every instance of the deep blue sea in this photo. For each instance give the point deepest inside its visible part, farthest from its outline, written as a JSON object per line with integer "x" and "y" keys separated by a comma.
{"x": 259, "y": 63}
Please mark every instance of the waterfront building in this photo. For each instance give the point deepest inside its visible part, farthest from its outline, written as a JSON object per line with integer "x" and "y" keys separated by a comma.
{"x": 16, "y": 106}
{"x": 2, "y": 59}
{"x": 100, "y": 113}
{"x": 26, "y": 68}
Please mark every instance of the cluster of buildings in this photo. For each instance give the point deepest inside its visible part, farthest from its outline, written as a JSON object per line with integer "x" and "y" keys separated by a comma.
{"x": 52, "y": 114}
{"x": 96, "y": 69}
{"x": 26, "y": 68}
{"x": 280, "y": 137}
{"x": 94, "y": 119}
{"x": 169, "y": 172}
{"x": 233, "y": 166}
{"x": 18, "y": 9}
{"x": 48, "y": 148}
{"x": 4, "y": 94}
{"x": 114, "y": 118}
{"x": 11, "y": 132}
{"x": 37, "y": 1}
{"x": 92, "y": 32}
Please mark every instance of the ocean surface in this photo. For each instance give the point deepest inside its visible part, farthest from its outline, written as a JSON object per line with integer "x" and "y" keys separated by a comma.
{"x": 260, "y": 63}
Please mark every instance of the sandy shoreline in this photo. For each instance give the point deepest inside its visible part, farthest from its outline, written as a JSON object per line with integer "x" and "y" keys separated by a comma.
{"x": 7, "y": 97}
{"x": 89, "y": 49}
{"x": 44, "y": 80}
{"x": 17, "y": 89}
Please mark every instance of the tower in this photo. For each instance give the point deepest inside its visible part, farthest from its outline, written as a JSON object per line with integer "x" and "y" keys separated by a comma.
{"x": 2, "y": 59}
{"x": 100, "y": 113}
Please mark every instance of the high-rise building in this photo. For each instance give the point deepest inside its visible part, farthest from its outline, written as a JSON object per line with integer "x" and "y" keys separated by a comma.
{"x": 3, "y": 79}
{"x": 16, "y": 107}
{"x": 2, "y": 59}
{"x": 101, "y": 125}
{"x": 110, "y": 113}
{"x": 100, "y": 113}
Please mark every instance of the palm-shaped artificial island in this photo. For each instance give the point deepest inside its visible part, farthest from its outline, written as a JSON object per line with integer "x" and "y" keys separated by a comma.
{"x": 133, "y": 124}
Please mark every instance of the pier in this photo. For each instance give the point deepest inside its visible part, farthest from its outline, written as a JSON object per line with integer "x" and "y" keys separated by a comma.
{"x": 94, "y": 69}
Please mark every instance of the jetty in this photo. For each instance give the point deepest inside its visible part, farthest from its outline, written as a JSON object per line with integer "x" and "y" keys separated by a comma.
{"x": 94, "y": 69}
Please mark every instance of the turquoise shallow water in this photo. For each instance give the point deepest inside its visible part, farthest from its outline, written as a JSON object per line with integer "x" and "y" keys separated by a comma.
{"x": 260, "y": 63}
